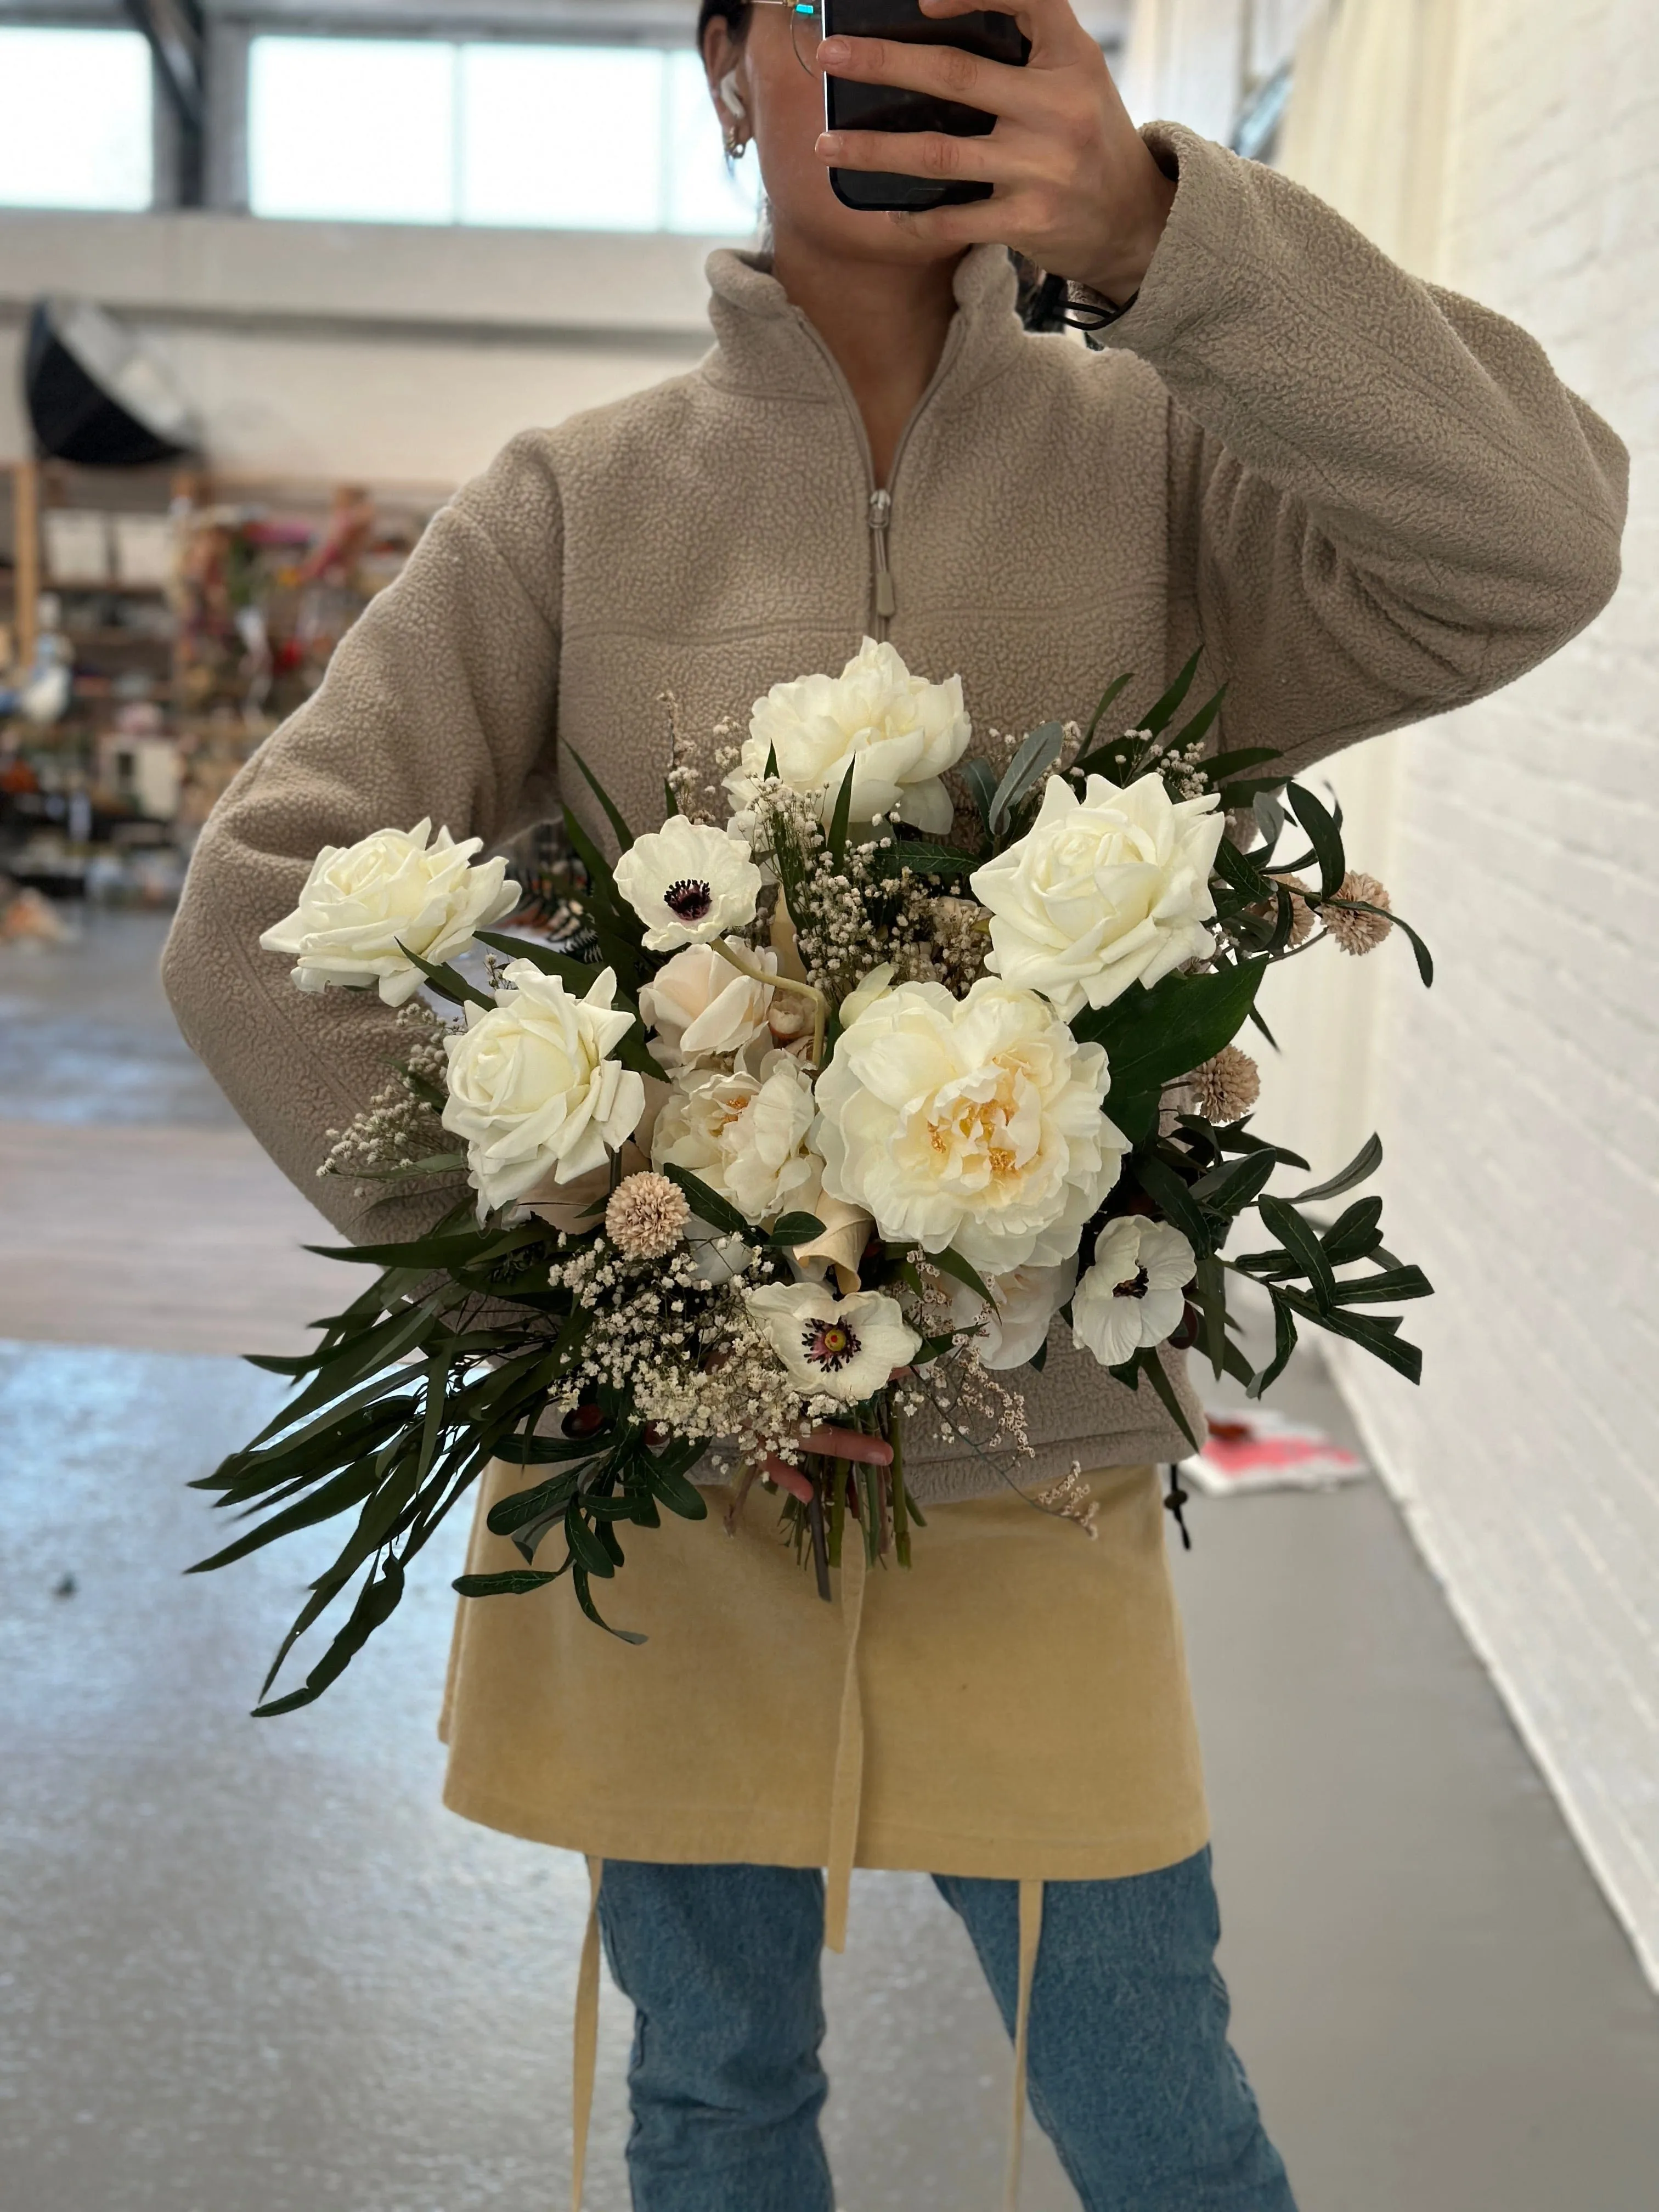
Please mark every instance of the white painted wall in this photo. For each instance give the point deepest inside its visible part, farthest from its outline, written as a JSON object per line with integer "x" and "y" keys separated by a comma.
{"x": 1193, "y": 61}
{"x": 391, "y": 353}
{"x": 1520, "y": 1099}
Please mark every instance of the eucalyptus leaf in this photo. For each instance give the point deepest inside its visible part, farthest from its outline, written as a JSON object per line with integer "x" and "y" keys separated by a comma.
{"x": 1302, "y": 1243}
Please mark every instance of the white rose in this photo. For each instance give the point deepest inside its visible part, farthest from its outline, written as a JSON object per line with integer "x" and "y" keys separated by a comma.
{"x": 688, "y": 882}
{"x": 975, "y": 1123}
{"x": 1135, "y": 1294}
{"x": 840, "y": 1348}
{"x": 902, "y": 731}
{"x": 1103, "y": 891}
{"x": 360, "y": 901}
{"x": 745, "y": 1135}
{"x": 701, "y": 1008}
{"x": 533, "y": 1087}
{"x": 1014, "y": 1327}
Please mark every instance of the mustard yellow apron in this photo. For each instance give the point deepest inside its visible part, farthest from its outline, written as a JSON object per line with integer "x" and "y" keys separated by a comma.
{"x": 1015, "y": 1706}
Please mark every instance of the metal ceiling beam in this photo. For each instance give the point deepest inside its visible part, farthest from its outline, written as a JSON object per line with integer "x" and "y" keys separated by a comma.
{"x": 178, "y": 41}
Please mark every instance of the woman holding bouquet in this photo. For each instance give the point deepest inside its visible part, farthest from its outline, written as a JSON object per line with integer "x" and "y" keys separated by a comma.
{"x": 1369, "y": 502}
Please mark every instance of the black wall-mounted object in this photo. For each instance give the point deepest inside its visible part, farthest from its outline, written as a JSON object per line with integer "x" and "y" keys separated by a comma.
{"x": 97, "y": 394}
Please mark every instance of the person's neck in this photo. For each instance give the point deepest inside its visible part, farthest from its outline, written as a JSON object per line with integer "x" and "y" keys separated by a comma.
{"x": 885, "y": 323}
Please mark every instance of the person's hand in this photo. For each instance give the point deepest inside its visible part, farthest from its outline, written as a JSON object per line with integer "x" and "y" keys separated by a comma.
{"x": 828, "y": 1444}
{"x": 1076, "y": 189}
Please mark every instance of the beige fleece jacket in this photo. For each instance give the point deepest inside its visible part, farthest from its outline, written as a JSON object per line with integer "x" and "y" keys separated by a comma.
{"x": 1369, "y": 500}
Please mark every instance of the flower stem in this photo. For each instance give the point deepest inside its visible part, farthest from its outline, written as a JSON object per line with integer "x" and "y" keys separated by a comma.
{"x": 901, "y": 1502}
{"x": 820, "y": 1004}
{"x": 820, "y": 1549}
{"x": 837, "y": 1511}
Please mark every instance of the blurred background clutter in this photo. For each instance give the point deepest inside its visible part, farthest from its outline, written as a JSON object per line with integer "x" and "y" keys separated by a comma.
{"x": 275, "y": 277}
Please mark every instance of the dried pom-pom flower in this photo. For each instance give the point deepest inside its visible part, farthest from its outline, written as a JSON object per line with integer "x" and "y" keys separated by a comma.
{"x": 647, "y": 1217}
{"x": 1226, "y": 1087}
{"x": 1357, "y": 933}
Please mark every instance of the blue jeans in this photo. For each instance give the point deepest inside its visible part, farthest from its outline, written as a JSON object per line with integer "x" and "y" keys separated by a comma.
{"x": 1131, "y": 2072}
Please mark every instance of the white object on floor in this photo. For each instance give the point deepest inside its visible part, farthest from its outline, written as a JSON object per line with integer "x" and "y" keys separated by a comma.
{"x": 1249, "y": 1448}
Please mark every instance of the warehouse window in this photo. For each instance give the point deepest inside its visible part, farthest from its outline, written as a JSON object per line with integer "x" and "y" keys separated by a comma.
{"x": 78, "y": 124}
{"x": 568, "y": 138}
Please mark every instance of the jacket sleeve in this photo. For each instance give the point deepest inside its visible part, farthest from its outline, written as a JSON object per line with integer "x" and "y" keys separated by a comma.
{"x": 1383, "y": 502}
{"x": 440, "y": 701}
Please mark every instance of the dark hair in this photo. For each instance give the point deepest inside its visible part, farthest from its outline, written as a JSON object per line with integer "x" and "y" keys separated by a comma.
{"x": 1042, "y": 299}
{"x": 735, "y": 12}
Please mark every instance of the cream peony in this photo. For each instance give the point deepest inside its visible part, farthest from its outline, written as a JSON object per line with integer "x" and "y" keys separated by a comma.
{"x": 975, "y": 1123}
{"x": 533, "y": 1087}
{"x": 701, "y": 1008}
{"x": 1135, "y": 1294}
{"x": 1014, "y": 1327}
{"x": 1102, "y": 891}
{"x": 902, "y": 731}
{"x": 842, "y": 1348}
{"x": 688, "y": 882}
{"x": 745, "y": 1135}
{"x": 360, "y": 901}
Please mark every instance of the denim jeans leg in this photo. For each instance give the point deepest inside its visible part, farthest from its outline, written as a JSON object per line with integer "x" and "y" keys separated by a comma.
{"x": 722, "y": 1963}
{"x": 1132, "y": 2075}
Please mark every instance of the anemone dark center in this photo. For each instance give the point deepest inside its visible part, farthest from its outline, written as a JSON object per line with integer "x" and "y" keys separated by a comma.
{"x": 688, "y": 901}
{"x": 1135, "y": 1287}
{"x": 829, "y": 1344}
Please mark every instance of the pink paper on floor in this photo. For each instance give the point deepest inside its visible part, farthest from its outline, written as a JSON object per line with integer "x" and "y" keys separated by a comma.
{"x": 1254, "y": 1450}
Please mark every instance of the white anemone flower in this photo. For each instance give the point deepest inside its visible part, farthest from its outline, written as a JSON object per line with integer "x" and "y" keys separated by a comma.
{"x": 842, "y": 1348}
{"x": 689, "y": 884}
{"x": 901, "y": 731}
{"x": 1133, "y": 1296}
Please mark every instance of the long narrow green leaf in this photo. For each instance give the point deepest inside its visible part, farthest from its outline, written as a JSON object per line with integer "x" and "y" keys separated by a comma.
{"x": 447, "y": 981}
{"x": 517, "y": 1582}
{"x": 840, "y": 819}
{"x": 377, "y": 1602}
{"x": 1170, "y": 1194}
{"x": 613, "y": 813}
{"x": 707, "y": 1204}
{"x": 1040, "y": 749}
{"x": 1363, "y": 1164}
{"x": 952, "y": 1263}
{"x": 1113, "y": 691}
{"x": 1158, "y": 718}
{"x": 1301, "y": 1241}
{"x": 584, "y": 1599}
{"x": 347, "y": 1489}
{"x": 1383, "y": 1289}
{"x": 1323, "y": 836}
{"x": 1284, "y": 1345}
{"x": 1153, "y": 1367}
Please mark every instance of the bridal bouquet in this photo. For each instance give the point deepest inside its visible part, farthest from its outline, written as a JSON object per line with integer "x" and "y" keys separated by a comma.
{"x": 821, "y": 1114}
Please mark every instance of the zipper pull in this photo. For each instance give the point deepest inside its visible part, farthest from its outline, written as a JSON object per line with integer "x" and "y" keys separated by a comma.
{"x": 881, "y": 517}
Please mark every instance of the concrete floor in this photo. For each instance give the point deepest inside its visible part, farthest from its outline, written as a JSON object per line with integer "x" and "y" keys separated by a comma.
{"x": 255, "y": 1967}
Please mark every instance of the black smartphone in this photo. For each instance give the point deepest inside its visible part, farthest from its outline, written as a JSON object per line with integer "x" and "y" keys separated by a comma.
{"x": 849, "y": 106}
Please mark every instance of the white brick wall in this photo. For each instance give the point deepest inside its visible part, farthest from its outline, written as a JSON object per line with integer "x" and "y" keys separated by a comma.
{"x": 1520, "y": 1099}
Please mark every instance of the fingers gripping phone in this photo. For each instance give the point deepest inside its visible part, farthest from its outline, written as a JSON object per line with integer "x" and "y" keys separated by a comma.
{"x": 850, "y": 107}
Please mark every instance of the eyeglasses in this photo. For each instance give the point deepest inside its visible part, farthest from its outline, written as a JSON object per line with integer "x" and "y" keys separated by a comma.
{"x": 805, "y": 27}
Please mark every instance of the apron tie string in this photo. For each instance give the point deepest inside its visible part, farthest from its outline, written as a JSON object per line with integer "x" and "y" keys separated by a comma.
{"x": 586, "y": 2038}
{"x": 1030, "y": 1936}
{"x": 847, "y": 1796}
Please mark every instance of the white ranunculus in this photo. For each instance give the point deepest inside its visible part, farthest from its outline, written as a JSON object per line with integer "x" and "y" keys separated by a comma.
{"x": 1102, "y": 891}
{"x": 688, "y": 882}
{"x": 745, "y": 1135}
{"x": 973, "y": 1123}
{"x": 842, "y": 1348}
{"x": 1014, "y": 1327}
{"x": 533, "y": 1087}
{"x": 702, "y": 1008}
{"x": 362, "y": 901}
{"x": 902, "y": 731}
{"x": 1135, "y": 1294}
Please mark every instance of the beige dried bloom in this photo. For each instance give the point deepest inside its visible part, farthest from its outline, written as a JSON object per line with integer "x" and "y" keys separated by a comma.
{"x": 1072, "y": 1498}
{"x": 647, "y": 1217}
{"x": 1227, "y": 1086}
{"x": 1357, "y": 933}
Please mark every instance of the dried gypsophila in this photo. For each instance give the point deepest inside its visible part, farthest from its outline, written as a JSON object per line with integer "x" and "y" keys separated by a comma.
{"x": 1072, "y": 1499}
{"x": 398, "y": 1126}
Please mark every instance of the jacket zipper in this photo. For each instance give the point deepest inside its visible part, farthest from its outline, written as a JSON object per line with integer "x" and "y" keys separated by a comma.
{"x": 881, "y": 518}
{"x": 878, "y": 512}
